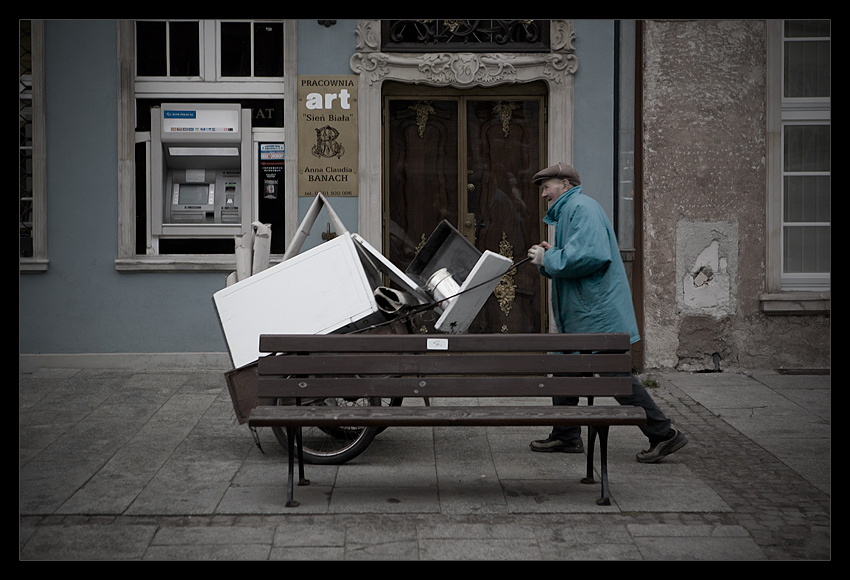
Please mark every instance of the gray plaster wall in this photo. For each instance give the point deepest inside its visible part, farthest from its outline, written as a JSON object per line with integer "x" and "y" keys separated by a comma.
{"x": 704, "y": 204}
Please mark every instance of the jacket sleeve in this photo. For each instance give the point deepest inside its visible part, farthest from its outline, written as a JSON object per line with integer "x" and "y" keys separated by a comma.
{"x": 585, "y": 246}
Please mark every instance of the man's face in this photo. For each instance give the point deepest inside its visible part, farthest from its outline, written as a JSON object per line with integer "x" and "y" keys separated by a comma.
{"x": 553, "y": 188}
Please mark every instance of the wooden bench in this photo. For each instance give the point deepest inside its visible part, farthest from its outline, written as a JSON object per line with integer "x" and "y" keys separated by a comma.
{"x": 435, "y": 366}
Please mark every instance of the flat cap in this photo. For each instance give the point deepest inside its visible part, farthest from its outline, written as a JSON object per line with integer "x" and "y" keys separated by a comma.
{"x": 559, "y": 171}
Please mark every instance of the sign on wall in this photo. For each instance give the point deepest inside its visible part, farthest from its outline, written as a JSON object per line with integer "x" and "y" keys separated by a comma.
{"x": 327, "y": 136}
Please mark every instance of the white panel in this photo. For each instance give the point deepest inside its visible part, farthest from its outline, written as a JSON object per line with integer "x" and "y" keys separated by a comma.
{"x": 462, "y": 310}
{"x": 316, "y": 292}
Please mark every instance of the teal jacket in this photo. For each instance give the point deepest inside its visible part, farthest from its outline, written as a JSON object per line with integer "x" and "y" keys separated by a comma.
{"x": 590, "y": 290}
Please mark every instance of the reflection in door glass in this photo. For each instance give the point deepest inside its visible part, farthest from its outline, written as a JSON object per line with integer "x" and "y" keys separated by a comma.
{"x": 422, "y": 173}
{"x": 503, "y": 153}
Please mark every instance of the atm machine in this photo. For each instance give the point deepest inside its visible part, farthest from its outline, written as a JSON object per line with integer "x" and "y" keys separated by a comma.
{"x": 200, "y": 170}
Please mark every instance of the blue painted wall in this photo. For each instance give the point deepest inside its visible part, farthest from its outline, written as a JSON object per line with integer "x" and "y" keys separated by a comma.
{"x": 593, "y": 115}
{"x": 82, "y": 304}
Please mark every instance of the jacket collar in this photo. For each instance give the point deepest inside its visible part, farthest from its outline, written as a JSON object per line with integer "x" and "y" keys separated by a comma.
{"x": 551, "y": 217}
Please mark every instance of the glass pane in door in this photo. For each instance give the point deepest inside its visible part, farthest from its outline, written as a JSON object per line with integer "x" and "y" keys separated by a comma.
{"x": 503, "y": 153}
{"x": 422, "y": 173}
{"x": 469, "y": 160}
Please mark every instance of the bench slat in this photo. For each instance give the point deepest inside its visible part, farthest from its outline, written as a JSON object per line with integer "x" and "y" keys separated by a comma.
{"x": 285, "y": 343}
{"x": 444, "y": 386}
{"x": 444, "y": 363}
{"x": 596, "y": 415}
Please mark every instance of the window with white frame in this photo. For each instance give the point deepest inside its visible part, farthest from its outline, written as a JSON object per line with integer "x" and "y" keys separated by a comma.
{"x": 32, "y": 168}
{"x": 25, "y": 123}
{"x": 184, "y": 50}
{"x": 806, "y": 155}
{"x": 195, "y": 61}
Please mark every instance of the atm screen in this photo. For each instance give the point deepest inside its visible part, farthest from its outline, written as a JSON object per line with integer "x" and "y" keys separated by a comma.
{"x": 193, "y": 193}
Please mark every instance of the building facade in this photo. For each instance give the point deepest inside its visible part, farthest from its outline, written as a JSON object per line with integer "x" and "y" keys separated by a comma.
{"x": 715, "y": 177}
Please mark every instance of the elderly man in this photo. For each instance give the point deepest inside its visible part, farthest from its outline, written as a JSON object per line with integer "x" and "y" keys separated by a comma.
{"x": 590, "y": 293}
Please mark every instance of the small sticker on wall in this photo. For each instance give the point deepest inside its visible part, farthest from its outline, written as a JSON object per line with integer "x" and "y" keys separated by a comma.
{"x": 438, "y": 344}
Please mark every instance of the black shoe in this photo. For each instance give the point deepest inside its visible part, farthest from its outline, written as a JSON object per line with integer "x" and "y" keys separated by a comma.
{"x": 551, "y": 445}
{"x": 664, "y": 448}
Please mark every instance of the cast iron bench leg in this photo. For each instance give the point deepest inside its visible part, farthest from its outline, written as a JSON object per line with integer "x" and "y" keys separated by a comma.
{"x": 290, "y": 448}
{"x": 603, "y": 465}
{"x": 301, "y": 479}
{"x": 291, "y": 434}
{"x": 591, "y": 446}
{"x": 602, "y": 433}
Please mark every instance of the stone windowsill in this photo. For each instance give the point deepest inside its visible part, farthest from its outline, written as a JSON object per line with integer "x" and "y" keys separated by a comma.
{"x": 795, "y": 303}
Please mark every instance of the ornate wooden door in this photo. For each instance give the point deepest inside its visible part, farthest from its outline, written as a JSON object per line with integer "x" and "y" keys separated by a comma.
{"x": 468, "y": 158}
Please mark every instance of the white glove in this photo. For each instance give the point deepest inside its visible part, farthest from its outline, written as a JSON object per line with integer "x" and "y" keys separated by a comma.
{"x": 536, "y": 254}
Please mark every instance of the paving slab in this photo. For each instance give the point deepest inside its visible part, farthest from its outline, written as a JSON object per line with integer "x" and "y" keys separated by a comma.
{"x": 128, "y": 464}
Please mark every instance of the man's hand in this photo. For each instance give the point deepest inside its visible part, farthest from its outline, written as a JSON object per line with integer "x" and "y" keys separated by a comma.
{"x": 536, "y": 253}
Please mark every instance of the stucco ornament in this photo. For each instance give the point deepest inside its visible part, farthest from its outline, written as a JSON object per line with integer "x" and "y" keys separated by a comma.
{"x": 464, "y": 69}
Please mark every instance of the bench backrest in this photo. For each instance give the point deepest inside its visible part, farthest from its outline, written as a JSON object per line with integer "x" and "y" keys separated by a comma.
{"x": 465, "y": 365}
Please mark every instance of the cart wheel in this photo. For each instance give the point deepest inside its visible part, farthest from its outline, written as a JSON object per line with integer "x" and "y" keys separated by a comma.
{"x": 335, "y": 445}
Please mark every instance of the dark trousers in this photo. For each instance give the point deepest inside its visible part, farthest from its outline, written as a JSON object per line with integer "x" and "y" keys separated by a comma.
{"x": 657, "y": 426}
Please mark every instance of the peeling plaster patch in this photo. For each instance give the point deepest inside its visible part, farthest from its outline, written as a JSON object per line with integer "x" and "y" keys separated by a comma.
{"x": 706, "y": 265}
{"x": 702, "y": 276}
{"x": 706, "y": 285}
